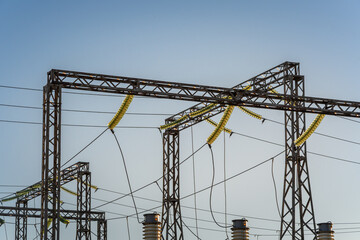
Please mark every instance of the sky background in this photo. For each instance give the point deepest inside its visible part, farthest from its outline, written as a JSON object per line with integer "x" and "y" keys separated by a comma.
{"x": 220, "y": 43}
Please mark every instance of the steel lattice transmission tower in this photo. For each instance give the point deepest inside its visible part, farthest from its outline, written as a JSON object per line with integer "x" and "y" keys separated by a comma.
{"x": 285, "y": 78}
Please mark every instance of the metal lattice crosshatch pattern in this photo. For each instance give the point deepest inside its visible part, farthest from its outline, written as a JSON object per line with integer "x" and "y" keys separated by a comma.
{"x": 259, "y": 96}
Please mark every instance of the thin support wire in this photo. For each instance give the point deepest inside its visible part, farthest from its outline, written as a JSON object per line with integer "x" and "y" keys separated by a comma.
{"x": 127, "y": 225}
{"x": 275, "y": 189}
{"x": 211, "y": 189}
{"x": 194, "y": 179}
{"x": 84, "y": 147}
{"x": 197, "y": 236}
{"x": 225, "y": 195}
{"x": 127, "y": 176}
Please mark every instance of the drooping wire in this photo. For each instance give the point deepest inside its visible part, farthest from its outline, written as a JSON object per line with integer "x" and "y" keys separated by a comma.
{"x": 275, "y": 189}
{"x": 194, "y": 182}
{"x": 225, "y": 195}
{"x": 236, "y": 175}
{"x": 127, "y": 176}
{"x": 127, "y": 225}
{"x": 211, "y": 189}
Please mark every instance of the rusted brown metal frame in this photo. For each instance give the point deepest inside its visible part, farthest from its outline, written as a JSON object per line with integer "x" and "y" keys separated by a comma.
{"x": 36, "y": 213}
{"x": 66, "y": 175}
{"x": 21, "y": 221}
{"x": 25, "y": 212}
{"x": 102, "y": 230}
{"x": 50, "y": 197}
{"x": 83, "y": 226}
{"x": 171, "y": 191}
{"x": 259, "y": 97}
{"x": 297, "y": 204}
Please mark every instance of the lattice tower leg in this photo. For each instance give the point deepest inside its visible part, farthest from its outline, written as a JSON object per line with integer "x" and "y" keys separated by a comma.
{"x": 297, "y": 206}
{"x": 21, "y": 221}
{"x": 83, "y": 224}
{"x": 102, "y": 230}
{"x": 50, "y": 191}
{"x": 171, "y": 230}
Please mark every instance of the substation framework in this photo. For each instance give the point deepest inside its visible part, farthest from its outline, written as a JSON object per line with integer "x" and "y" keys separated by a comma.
{"x": 297, "y": 204}
{"x": 83, "y": 215}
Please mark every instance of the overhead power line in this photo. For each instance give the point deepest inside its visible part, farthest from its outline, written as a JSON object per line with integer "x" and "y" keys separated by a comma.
{"x": 310, "y": 152}
{"x": 75, "y": 93}
{"x": 74, "y": 125}
{"x": 141, "y": 114}
{"x": 85, "y": 111}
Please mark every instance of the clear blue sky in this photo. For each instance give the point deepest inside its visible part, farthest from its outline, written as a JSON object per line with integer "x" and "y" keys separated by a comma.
{"x": 217, "y": 43}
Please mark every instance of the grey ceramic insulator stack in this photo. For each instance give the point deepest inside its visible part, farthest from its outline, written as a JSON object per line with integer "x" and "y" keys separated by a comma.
{"x": 239, "y": 230}
{"x": 152, "y": 227}
{"x": 325, "y": 231}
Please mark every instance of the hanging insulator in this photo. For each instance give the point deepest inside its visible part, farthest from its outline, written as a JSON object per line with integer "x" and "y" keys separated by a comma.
{"x": 325, "y": 231}
{"x": 251, "y": 113}
{"x": 229, "y": 131}
{"x": 120, "y": 113}
{"x": 239, "y": 230}
{"x": 220, "y": 127}
{"x": 152, "y": 227}
{"x": 68, "y": 191}
{"x": 310, "y": 130}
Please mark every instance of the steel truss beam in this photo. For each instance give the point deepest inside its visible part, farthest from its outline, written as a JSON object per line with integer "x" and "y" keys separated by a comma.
{"x": 25, "y": 213}
{"x": 102, "y": 230}
{"x": 297, "y": 204}
{"x": 66, "y": 175}
{"x": 50, "y": 189}
{"x": 258, "y": 97}
{"x": 94, "y": 216}
{"x": 83, "y": 226}
{"x": 79, "y": 172}
{"x": 171, "y": 227}
{"x": 21, "y": 220}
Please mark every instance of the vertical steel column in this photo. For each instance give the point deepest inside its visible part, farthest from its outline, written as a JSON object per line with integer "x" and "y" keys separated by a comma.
{"x": 102, "y": 230}
{"x": 83, "y": 224}
{"x": 50, "y": 190}
{"x": 297, "y": 191}
{"x": 171, "y": 230}
{"x": 21, "y": 220}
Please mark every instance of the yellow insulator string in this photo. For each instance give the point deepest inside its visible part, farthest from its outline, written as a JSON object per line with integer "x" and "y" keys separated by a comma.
{"x": 120, "y": 113}
{"x": 251, "y": 113}
{"x": 220, "y": 127}
{"x": 215, "y": 124}
{"x": 311, "y": 129}
{"x": 203, "y": 110}
{"x": 64, "y": 220}
{"x": 89, "y": 185}
{"x": 68, "y": 191}
{"x": 169, "y": 125}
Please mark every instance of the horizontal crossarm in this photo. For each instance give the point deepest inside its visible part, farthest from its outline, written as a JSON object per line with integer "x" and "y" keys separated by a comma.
{"x": 66, "y": 175}
{"x": 36, "y": 213}
{"x": 259, "y": 96}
